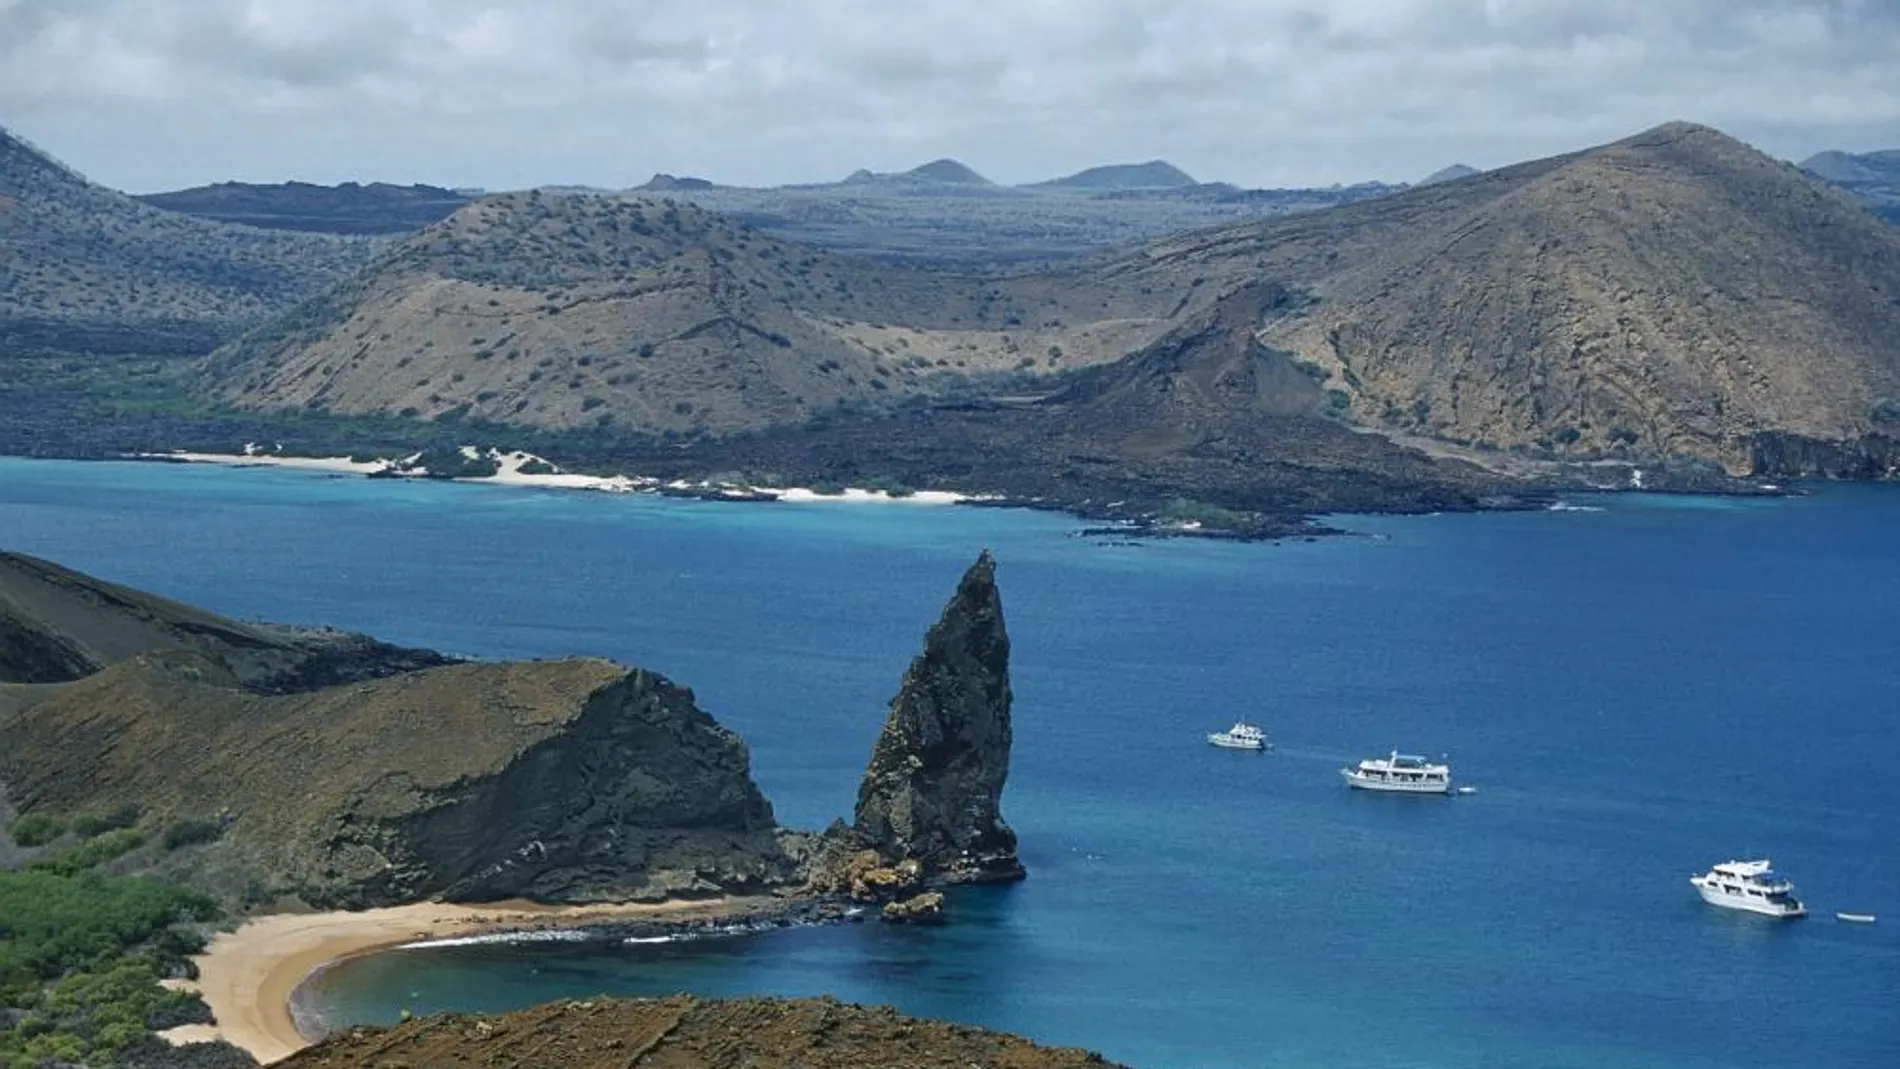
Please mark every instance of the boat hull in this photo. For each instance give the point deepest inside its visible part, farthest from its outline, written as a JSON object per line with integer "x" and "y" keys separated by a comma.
{"x": 1367, "y": 783}
{"x": 1236, "y": 744}
{"x": 1721, "y": 899}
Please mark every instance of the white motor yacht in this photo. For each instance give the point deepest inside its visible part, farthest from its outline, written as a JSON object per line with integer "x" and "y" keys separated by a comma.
{"x": 1242, "y": 736}
{"x": 1399, "y": 773}
{"x": 1753, "y": 886}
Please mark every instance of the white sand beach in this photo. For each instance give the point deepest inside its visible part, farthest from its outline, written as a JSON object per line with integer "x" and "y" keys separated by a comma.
{"x": 547, "y": 476}
{"x": 248, "y": 976}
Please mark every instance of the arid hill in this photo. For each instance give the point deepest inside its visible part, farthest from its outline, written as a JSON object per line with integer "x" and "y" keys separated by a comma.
{"x": 349, "y": 208}
{"x": 684, "y": 1032}
{"x": 1674, "y": 293}
{"x": 647, "y": 317}
{"x": 58, "y": 625}
{"x": 88, "y": 271}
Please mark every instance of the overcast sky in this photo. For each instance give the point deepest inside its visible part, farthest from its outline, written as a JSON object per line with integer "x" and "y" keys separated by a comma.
{"x": 155, "y": 94}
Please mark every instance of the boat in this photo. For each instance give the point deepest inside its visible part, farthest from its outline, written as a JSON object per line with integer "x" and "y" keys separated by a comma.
{"x": 1752, "y": 886}
{"x": 1855, "y": 918}
{"x": 1242, "y": 736}
{"x": 1400, "y": 773}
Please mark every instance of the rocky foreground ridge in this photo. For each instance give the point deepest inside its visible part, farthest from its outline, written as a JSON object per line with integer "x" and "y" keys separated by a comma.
{"x": 683, "y": 1032}
{"x": 58, "y": 625}
{"x": 573, "y": 780}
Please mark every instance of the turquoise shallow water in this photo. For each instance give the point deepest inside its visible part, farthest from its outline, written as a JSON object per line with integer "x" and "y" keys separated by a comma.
{"x": 1636, "y": 692}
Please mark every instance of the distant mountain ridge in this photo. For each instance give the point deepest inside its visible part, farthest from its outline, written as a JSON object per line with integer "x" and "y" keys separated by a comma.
{"x": 1873, "y": 178}
{"x": 349, "y": 208}
{"x": 1448, "y": 174}
{"x": 1154, "y": 174}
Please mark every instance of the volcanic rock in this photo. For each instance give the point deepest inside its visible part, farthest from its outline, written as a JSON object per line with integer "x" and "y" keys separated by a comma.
{"x": 558, "y": 781}
{"x": 932, "y": 791}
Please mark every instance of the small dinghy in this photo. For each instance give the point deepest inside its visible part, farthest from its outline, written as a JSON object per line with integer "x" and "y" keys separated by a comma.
{"x": 1855, "y": 918}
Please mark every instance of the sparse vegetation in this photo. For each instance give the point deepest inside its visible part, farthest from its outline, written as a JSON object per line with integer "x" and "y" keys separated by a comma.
{"x": 190, "y": 833}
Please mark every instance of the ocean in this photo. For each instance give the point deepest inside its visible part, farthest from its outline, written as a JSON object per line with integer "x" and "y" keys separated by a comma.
{"x": 1637, "y": 687}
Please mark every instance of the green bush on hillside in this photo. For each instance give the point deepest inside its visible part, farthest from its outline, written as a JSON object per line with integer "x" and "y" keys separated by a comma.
{"x": 37, "y": 829}
{"x": 81, "y": 957}
{"x": 95, "y": 851}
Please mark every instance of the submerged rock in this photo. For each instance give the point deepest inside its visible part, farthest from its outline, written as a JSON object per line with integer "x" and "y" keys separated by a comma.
{"x": 933, "y": 789}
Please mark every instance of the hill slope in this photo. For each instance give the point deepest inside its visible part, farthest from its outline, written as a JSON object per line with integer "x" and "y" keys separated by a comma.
{"x": 1673, "y": 293}
{"x": 639, "y": 315}
{"x": 349, "y": 208}
{"x": 87, "y": 270}
{"x": 57, "y": 625}
{"x": 569, "y": 780}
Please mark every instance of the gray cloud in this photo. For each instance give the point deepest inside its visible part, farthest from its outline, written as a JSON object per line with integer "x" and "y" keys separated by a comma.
{"x": 148, "y": 94}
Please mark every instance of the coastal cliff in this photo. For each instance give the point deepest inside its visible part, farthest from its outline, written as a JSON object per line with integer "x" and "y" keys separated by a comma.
{"x": 683, "y": 1032}
{"x": 561, "y": 781}
{"x": 933, "y": 791}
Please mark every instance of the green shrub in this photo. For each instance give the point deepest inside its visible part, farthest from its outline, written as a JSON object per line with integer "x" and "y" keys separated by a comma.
{"x": 190, "y": 833}
{"x": 37, "y": 829}
{"x": 55, "y": 923}
{"x": 87, "y": 825}
{"x": 81, "y": 958}
{"x": 93, "y": 852}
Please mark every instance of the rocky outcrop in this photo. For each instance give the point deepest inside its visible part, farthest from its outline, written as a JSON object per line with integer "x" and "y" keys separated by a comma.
{"x": 683, "y": 1032}
{"x": 1787, "y": 456}
{"x": 933, "y": 788}
{"x": 559, "y": 781}
{"x": 58, "y": 625}
{"x": 926, "y": 908}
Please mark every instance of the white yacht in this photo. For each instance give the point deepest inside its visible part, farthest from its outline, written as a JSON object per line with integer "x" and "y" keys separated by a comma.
{"x": 1242, "y": 736}
{"x": 1399, "y": 773}
{"x": 1754, "y": 886}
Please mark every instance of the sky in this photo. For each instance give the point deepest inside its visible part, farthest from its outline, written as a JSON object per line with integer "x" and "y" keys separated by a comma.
{"x": 146, "y": 95}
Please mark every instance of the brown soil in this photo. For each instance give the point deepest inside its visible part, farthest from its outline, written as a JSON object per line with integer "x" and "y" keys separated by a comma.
{"x": 682, "y": 1032}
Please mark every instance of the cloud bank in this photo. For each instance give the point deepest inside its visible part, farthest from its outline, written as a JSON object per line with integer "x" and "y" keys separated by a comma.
{"x": 152, "y": 94}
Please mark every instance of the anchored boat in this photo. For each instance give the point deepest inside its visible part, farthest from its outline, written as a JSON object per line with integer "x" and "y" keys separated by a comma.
{"x": 1400, "y": 773}
{"x": 1242, "y": 736}
{"x": 1752, "y": 886}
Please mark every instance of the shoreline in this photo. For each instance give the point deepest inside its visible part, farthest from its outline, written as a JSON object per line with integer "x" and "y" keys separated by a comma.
{"x": 1114, "y": 521}
{"x": 253, "y": 976}
{"x": 512, "y": 471}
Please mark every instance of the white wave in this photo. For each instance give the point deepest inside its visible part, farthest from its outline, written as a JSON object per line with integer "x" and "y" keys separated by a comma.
{"x": 539, "y": 935}
{"x": 1565, "y": 506}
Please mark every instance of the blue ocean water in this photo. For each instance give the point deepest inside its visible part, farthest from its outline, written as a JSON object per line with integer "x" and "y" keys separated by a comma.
{"x": 1636, "y": 692}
